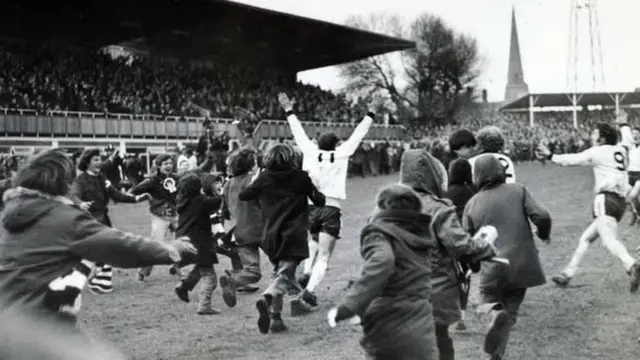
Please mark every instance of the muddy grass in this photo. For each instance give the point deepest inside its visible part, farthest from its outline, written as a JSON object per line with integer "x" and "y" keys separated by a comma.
{"x": 596, "y": 318}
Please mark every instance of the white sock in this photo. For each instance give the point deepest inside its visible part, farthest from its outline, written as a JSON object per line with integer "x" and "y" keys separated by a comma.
{"x": 587, "y": 237}
{"x": 318, "y": 271}
{"x": 313, "y": 253}
{"x": 607, "y": 229}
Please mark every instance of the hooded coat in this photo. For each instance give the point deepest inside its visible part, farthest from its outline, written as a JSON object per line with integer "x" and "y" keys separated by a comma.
{"x": 30, "y": 261}
{"x": 426, "y": 175}
{"x": 283, "y": 200}
{"x": 461, "y": 187}
{"x": 507, "y": 207}
{"x": 392, "y": 295}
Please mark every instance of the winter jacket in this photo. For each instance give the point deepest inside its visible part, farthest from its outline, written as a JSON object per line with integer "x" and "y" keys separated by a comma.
{"x": 98, "y": 189}
{"x": 246, "y": 215}
{"x": 283, "y": 201}
{"x": 426, "y": 175}
{"x": 392, "y": 295}
{"x": 507, "y": 207}
{"x": 43, "y": 237}
{"x": 194, "y": 211}
{"x": 163, "y": 189}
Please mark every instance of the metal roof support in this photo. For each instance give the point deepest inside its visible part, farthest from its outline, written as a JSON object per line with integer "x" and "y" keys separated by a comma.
{"x": 533, "y": 99}
{"x": 575, "y": 99}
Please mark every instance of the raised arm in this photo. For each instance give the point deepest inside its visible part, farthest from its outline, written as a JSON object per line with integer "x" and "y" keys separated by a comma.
{"x": 351, "y": 145}
{"x": 299, "y": 135}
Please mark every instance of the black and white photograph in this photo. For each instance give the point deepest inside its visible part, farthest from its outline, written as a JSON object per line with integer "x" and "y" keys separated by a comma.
{"x": 330, "y": 180}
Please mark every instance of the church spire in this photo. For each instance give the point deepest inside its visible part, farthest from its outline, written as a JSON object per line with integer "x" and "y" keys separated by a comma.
{"x": 516, "y": 87}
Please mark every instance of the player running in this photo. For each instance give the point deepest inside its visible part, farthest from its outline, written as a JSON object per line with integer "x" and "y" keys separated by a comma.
{"x": 634, "y": 173}
{"x": 327, "y": 165}
{"x": 610, "y": 161}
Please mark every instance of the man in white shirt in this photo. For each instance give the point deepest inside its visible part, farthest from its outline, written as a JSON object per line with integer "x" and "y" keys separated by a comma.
{"x": 491, "y": 141}
{"x": 327, "y": 165}
{"x": 610, "y": 160}
{"x": 634, "y": 170}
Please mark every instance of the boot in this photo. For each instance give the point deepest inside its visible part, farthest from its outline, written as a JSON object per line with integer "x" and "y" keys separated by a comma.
{"x": 446, "y": 350}
{"x": 208, "y": 284}
{"x": 264, "y": 320}
{"x": 299, "y": 307}
{"x": 228, "y": 285}
{"x": 182, "y": 293}
{"x": 277, "y": 325}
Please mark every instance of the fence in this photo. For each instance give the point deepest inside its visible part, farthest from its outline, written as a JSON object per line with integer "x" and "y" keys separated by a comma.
{"x": 60, "y": 124}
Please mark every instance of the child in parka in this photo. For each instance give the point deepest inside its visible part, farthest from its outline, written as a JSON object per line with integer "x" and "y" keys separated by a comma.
{"x": 428, "y": 177}
{"x": 510, "y": 208}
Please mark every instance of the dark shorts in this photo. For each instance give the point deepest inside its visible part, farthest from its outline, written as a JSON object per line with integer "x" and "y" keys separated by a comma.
{"x": 326, "y": 219}
{"x": 633, "y": 177}
{"x": 609, "y": 204}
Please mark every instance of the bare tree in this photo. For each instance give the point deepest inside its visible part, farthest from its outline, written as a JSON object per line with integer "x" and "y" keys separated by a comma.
{"x": 377, "y": 78}
{"x": 443, "y": 63}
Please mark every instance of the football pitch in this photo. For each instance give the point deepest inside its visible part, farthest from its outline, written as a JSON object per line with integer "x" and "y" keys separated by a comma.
{"x": 595, "y": 318}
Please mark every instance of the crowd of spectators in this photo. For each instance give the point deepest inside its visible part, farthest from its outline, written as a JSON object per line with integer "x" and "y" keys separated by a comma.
{"x": 553, "y": 128}
{"x": 46, "y": 77}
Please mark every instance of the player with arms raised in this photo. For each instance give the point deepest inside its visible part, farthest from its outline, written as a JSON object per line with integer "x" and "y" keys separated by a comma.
{"x": 609, "y": 160}
{"x": 491, "y": 141}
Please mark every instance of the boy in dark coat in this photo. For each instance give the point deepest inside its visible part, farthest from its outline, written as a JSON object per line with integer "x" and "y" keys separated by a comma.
{"x": 282, "y": 190}
{"x": 509, "y": 208}
{"x": 393, "y": 294}
{"x": 194, "y": 209}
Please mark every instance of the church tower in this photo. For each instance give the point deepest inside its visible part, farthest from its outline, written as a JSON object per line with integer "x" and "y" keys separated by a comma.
{"x": 516, "y": 87}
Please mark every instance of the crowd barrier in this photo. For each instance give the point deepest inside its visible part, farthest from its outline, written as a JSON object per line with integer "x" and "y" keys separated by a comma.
{"x": 29, "y": 123}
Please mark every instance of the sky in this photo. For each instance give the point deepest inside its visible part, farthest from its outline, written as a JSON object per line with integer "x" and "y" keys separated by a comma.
{"x": 543, "y": 30}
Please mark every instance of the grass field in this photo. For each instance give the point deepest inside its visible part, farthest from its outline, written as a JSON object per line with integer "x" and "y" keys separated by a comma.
{"x": 596, "y": 318}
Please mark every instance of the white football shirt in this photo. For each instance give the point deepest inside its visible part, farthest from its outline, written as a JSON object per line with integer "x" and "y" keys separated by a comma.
{"x": 610, "y": 164}
{"x": 507, "y": 164}
{"x": 634, "y": 158}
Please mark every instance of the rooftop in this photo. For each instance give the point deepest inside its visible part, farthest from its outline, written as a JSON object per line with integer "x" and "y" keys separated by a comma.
{"x": 196, "y": 29}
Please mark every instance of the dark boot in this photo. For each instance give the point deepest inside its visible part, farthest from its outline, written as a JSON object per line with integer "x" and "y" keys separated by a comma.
{"x": 446, "y": 350}
{"x": 444, "y": 342}
{"x": 228, "y": 285}
{"x": 208, "y": 283}
{"x": 277, "y": 325}
{"x": 304, "y": 280}
{"x": 182, "y": 293}
{"x": 264, "y": 320}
